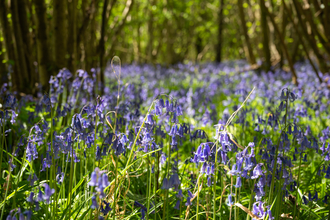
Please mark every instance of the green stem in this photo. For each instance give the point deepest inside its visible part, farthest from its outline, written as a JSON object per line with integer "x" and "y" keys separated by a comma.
{"x": 197, "y": 205}
{"x": 71, "y": 180}
{"x": 53, "y": 172}
{"x": 2, "y": 145}
{"x": 295, "y": 205}
{"x": 215, "y": 177}
{"x": 149, "y": 187}
{"x": 115, "y": 190}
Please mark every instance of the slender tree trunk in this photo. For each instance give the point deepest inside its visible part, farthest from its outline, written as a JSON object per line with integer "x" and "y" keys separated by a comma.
{"x": 23, "y": 73}
{"x": 310, "y": 39}
{"x": 265, "y": 37}
{"x": 102, "y": 42}
{"x": 302, "y": 42}
{"x": 3, "y": 69}
{"x": 198, "y": 45}
{"x": 8, "y": 42}
{"x": 150, "y": 31}
{"x": 60, "y": 34}
{"x": 72, "y": 37}
{"x": 44, "y": 62}
{"x": 120, "y": 25}
{"x": 220, "y": 27}
{"x": 285, "y": 50}
{"x": 250, "y": 54}
{"x": 283, "y": 28}
{"x": 27, "y": 41}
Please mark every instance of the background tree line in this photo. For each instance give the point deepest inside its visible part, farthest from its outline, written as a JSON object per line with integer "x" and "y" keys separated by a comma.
{"x": 39, "y": 37}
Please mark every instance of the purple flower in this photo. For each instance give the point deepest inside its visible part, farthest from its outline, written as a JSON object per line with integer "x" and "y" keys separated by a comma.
{"x": 93, "y": 181}
{"x": 105, "y": 210}
{"x": 238, "y": 182}
{"x": 257, "y": 171}
{"x": 230, "y": 201}
{"x": 94, "y": 203}
{"x": 177, "y": 204}
{"x": 48, "y": 193}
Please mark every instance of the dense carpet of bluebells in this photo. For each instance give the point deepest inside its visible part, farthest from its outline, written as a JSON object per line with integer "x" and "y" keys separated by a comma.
{"x": 189, "y": 141}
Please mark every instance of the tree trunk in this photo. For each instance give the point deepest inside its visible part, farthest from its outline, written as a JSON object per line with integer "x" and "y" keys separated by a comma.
{"x": 310, "y": 39}
{"x": 3, "y": 69}
{"x": 60, "y": 34}
{"x": 44, "y": 62}
{"x": 102, "y": 43}
{"x": 8, "y": 42}
{"x": 265, "y": 37}
{"x": 250, "y": 55}
{"x": 150, "y": 31}
{"x": 220, "y": 27}
{"x": 22, "y": 73}
{"x": 27, "y": 41}
{"x": 72, "y": 37}
{"x": 285, "y": 50}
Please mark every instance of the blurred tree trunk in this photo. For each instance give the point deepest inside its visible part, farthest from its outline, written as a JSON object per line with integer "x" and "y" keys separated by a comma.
{"x": 150, "y": 31}
{"x": 60, "y": 34}
{"x": 118, "y": 27}
{"x": 44, "y": 62}
{"x": 8, "y": 42}
{"x": 220, "y": 27}
{"x": 310, "y": 39}
{"x": 302, "y": 41}
{"x": 285, "y": 50}
{"x": 102, "y": 42}
{"x": 27, "y": 41}
{"x": 265, "y": 37}
{"x": 283, "y": 28}
{"x": 22, "y": 74}
{"x": 3, "y": 69}
{"x": 84, "y": 38}
{"x": 72, "y": 36}
{"x": 250, "y": 55}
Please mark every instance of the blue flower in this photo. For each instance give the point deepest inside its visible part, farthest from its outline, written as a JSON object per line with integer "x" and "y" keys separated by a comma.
{"x": 230, "y": 201}
{"x": 105, "y": 210}
{"x": 94, "y": 203}
{"x": 238, "y": 182}
{"x": 327, "y": 175}
{"x": 48, "y": 193}
{"x": 257, "y": 171}
{"x": 93, "y": 181}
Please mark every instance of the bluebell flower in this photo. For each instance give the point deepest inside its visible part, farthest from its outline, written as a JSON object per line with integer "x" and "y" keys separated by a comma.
{"x": 105, "y": 182}
{"x": 174, "y": 181}
{"x": 238, "y": 182}
{"x": 94, "y": 203}
{"x": 203, "y": 168}
{"x": 257, "y": 171}
{"x": 93, "y": 181}
{"x": 39, "y": 196}
{"x": 163, "y": 159}
{"x": 258, "y": 210}
{"x": 179, "y": 194}
{"x": 150, "y": 119}
{"x": 177, "y": 204}
{"x": 105, "y": 209}
{"x": 48, "y": 193}
{"x": 230, "y": 201}
{"x": 161, "y": 103}
{"x": 30, "y": 197}
{"x": 166, "y": 184}
{"x": 305, "y": 200}
{"x": 158, "y": 110}
{"x": 190, "y": 196}
{"x": 327, "y": 175}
